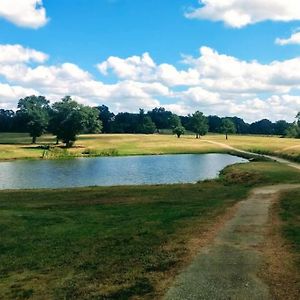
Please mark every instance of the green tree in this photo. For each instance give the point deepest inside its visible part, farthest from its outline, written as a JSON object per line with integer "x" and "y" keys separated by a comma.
{"x": 179, "y": 130}
{"x": 92, "y": 123}
{"x": 145, "y": 124}
{"x": 199, "y": 124}
{"x": 174, "y": 121}
{"x": 106, "y": 117}
{"x": 69, "y": 118}
{"x": 294, "y": 129}
{"x": 160, "y": 117}
{"x": 34, "y": 110}
{"x": 280, "y": 127}
{"x": 227, "y": 127}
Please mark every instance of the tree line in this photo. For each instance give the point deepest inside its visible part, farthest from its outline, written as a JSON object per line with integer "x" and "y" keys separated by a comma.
{"x": 67, "y": 118}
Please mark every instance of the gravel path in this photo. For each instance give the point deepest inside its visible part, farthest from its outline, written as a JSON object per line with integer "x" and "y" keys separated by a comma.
{"x": 228, "y": 268}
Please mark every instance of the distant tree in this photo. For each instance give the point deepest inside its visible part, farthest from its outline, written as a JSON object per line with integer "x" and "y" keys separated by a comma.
{"x": 106, "y": 117}
{"x": 280, "y": 127}
{"x": 160, "y": 117}
{"x": 214, "y": 123}
{"x": 199, "y": 124}
{"x": 92, "y": 122}
{"x": 6, "y": 120}
{"x": 69, "y": 118}
{"x": 240, "y": 125}
{"x": 179, "y": 130}
{"x": 174, "y": 121}
{"x": 227, "y": 127}
{"x": 145, "y": 124}
{"x": 124, "y": 122}
{"x": 34, "y": 110}
{"x": 264, "y": 126}
{"x": 294, "y": 129}
{"x": 186, "y": 122}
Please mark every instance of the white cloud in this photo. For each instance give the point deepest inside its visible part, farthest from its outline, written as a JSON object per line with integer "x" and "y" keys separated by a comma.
{"x": 212, "y": 71}
{"x": 294, "y": 39}
{"x": 11, "y": 54}
{"x": 24, "y": 13}
{"x": 212, "y": 82}
{"x": 239, "y": 13}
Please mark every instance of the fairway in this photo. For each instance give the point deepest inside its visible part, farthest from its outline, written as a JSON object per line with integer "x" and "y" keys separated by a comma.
{"x": 14, "y": 146}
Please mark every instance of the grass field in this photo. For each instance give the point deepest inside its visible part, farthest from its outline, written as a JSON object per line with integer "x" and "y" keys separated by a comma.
{"x": 13, "y": 146}
{"x": 113, "y": 243}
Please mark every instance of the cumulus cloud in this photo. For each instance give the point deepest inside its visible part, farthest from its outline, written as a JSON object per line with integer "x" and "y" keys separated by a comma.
{"x": 240, "y": 13}
{"x": 24, "y": 13}
{"x": 143, "y": 68}
{"x": 212, "y": 71}
{"x": 294, "y": 39}
{"x": 211, "y": 82}
{"x": 10, "y": 54}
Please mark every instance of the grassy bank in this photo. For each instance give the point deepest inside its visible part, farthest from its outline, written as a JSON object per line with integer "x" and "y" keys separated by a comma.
{"x": 290, "y": 216}
{"x": 113, "y": 243}
{"x": 15, "y": 146}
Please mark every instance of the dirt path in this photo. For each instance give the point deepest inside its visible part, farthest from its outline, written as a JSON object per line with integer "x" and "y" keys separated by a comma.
{"x": 280, "y": 160}
{"x": 228, "y": 268}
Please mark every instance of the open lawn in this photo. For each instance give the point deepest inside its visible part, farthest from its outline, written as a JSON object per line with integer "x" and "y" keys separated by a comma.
{"x": 13, "y": 146}
{"x": 114, "y": 243}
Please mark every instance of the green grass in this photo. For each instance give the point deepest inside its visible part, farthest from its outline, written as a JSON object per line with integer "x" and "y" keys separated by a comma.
{"x": 16, "y": 146}
{"x": 112, "y": 243}
{"x": 290, "y": 215}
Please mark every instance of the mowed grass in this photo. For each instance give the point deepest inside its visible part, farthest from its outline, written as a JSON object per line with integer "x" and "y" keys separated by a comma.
{"x": 15, "y": 145}
{"x": 290, "y": 215}
{"x": 113, "y": 243}
{"x": 264, "y": 144}
{"x": 18, "y": 145}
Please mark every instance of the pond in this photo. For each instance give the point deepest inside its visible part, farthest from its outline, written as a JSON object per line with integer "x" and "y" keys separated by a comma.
{"x": 109, "y": 171}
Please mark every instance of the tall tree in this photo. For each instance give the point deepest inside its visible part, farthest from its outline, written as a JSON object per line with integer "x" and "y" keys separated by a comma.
{"x": 227, "y": 127}
{"x": 174, "y": 121}
{"x": 35, "y": 112}
{"x": 264, "y": 126}
{"x": 160, "y": 117}
{"x": 240, "y": 125}
{"x": 199, "y": 124}
{"x": 92, "y": 122}
{"x": 280, "y": 127}
{"x": 145, "y": 124}
{"x": 106, "y": 117}
{"x": 6, "y": 120}
{"x": 214, "y": 123}
{"x": 69, "y": 118}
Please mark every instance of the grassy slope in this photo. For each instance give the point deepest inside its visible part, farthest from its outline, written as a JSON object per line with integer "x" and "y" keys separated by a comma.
{"x": 18, "y": 145}
{"x": 290, "y": 215}
{"x": 112, "y": 243}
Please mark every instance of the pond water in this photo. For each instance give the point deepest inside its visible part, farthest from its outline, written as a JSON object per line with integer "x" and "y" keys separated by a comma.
{"x": 109, "y": 171}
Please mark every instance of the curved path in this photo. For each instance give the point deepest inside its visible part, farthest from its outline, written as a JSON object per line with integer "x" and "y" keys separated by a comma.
{"x": 280, "y": 160}
{"x": 228, "y": 268}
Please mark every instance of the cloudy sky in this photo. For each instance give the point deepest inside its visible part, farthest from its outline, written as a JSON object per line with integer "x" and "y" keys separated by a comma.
{"x": 225, "y": 57}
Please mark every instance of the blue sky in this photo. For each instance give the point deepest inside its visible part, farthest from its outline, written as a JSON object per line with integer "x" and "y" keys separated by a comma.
{"x": 85, "y": 33}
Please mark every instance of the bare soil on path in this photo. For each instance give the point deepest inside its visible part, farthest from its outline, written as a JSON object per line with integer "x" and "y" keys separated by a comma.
{"x": 229, "y": 268}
